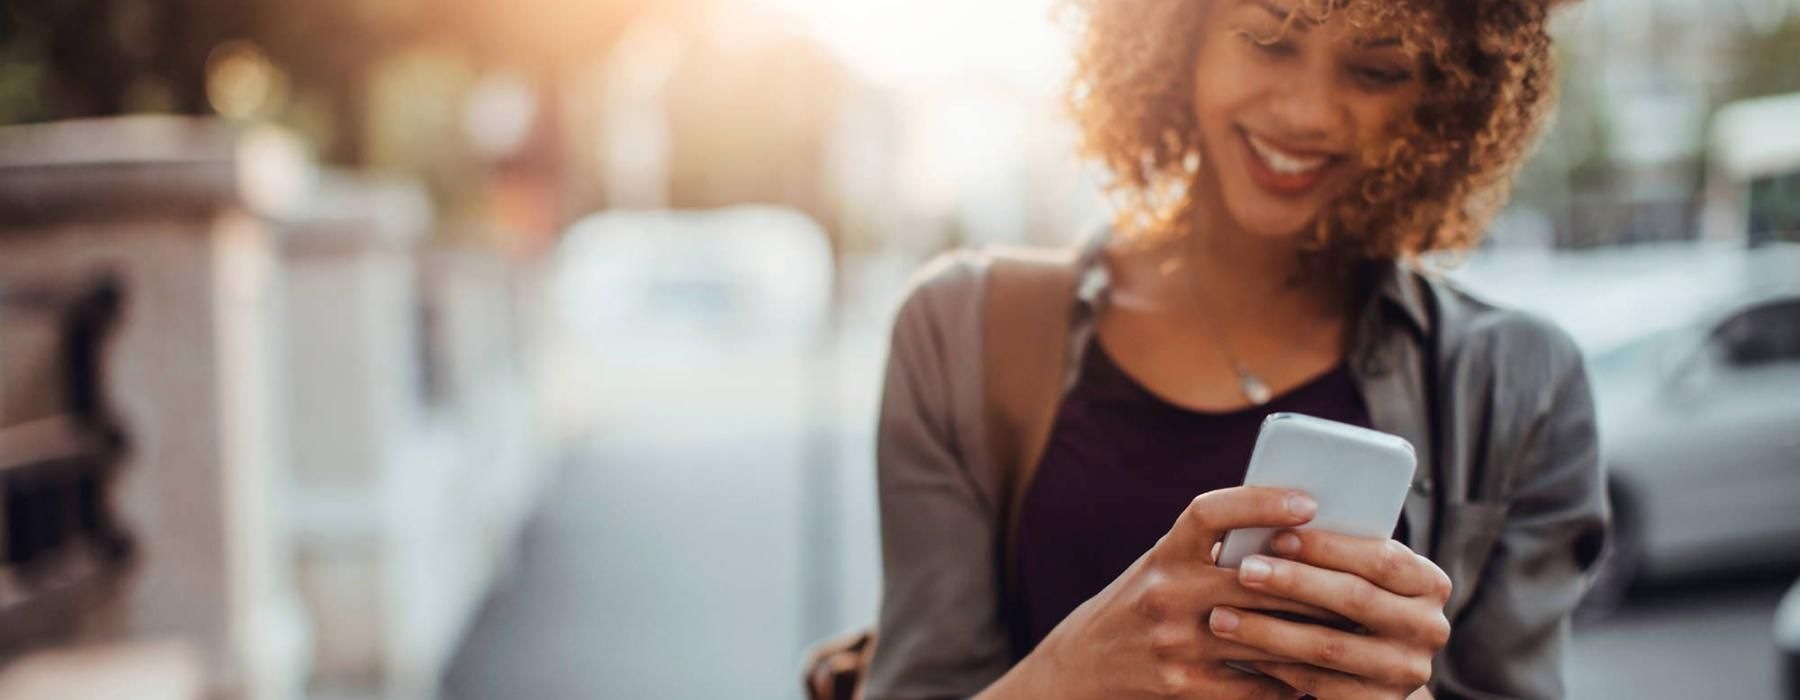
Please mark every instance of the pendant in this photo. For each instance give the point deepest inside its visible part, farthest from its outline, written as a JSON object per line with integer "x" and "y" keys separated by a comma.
{"x": 1254, "y": 389}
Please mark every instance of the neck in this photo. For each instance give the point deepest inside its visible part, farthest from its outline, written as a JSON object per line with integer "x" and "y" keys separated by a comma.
{"x": 1251, "y": 280}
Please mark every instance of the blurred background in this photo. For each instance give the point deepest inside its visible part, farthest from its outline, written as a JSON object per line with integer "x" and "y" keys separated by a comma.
{"x": 531, "y": 349}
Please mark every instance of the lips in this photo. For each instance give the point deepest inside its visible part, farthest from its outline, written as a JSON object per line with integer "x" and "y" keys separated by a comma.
{"x": 1284, "y": 171}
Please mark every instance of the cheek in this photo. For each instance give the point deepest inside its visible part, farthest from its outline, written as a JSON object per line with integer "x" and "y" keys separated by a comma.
{"x": 1205, "y": 99}
{"x": 1222, "y": 84}
{"x": 1380, "y": 118}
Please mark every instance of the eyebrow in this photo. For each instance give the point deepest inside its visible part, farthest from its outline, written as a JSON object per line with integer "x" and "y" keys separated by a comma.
{"x": 1285, "y": 14}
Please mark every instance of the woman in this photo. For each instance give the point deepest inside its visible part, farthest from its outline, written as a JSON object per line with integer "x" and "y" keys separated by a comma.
{"x": 1281, "y": 162}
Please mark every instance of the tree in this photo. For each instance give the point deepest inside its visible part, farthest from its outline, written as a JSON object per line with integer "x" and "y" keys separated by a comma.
{"x": 1771, "y": 62}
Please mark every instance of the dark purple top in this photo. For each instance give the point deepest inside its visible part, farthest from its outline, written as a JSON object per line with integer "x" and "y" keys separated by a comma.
{"x": 1120, "y": 465}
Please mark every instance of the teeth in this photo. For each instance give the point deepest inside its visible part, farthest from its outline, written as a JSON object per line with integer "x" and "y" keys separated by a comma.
{"x": 1283, "y": 163}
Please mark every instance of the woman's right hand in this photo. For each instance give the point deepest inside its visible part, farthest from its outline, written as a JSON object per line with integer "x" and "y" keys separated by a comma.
{"x": 1146, "y": 636}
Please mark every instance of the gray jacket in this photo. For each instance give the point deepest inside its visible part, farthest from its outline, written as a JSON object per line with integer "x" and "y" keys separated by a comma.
{"x": 1508, "y": 498}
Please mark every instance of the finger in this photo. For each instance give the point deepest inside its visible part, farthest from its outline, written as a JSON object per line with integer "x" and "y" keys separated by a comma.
{"x": 1318, "y": 682}
{"x": 1385, "y": 563}
{"x": 1387, "y": 613}
{"x": 1228, "y": 650}
{"x": 1373, "y": 658}
{"x": 1212, "y": 514}
{"x": 1223, "y": 587}
{"x": 1232, "y": 683}
{"x": 1278, "y": 605}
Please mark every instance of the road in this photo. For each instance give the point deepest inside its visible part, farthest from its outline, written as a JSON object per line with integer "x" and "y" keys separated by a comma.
{"x": 1698, "y": 640}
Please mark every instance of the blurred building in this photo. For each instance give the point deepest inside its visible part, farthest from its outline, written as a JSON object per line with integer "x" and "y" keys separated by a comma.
{"x": 1627, "y": 158}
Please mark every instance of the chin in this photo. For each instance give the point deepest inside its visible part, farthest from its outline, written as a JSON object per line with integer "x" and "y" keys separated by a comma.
{"x": 1277, "y": 224}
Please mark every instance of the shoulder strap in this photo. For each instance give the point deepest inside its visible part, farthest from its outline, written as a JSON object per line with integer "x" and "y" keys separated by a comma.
{"x": 1025, "y": 324}
{"x": 1025, "y": 321}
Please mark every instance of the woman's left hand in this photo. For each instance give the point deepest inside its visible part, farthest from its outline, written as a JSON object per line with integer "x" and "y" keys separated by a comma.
{"x": 1396, "y": 595}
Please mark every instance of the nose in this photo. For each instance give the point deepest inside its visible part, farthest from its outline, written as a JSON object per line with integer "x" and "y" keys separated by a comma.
{"x": 1307, "y": 109}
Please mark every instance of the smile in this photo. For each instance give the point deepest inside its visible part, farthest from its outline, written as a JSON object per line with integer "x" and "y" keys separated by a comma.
{"x": 1283, "y": 171}
{"x": 1282, "y": 162}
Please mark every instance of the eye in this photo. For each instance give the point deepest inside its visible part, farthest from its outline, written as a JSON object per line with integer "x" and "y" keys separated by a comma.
{"x": 1279, "y": 48}
{"x": 1382, "y": 76}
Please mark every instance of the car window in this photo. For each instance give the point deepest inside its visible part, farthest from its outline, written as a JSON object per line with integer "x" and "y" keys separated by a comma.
{"x": 1762, "y": 335}
{"x": 1774, "y": 208}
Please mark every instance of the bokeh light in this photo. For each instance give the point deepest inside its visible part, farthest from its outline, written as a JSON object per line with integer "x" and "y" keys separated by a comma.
{"x": 240, "y": 80}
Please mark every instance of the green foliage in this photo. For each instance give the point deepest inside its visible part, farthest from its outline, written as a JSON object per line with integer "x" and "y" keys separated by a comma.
{"x": 23, "y": 48}
{"x": 1771, "y": 62}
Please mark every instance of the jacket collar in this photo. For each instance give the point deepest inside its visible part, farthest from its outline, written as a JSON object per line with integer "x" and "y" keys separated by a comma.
{"x": 1396, "y": 285}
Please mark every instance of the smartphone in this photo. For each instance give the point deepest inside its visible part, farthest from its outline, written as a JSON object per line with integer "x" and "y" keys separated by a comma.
{"x": 1358, "y": 476}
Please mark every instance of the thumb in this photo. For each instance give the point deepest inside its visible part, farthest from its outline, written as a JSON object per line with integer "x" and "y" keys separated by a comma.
{"x": 1212, "y": 514}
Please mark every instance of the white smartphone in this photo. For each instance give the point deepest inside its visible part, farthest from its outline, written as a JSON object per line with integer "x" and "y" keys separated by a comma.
{"x": 1358, "y": 476}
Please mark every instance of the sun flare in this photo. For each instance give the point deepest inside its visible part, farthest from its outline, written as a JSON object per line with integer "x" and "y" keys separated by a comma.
{"x": 936, "y": 41}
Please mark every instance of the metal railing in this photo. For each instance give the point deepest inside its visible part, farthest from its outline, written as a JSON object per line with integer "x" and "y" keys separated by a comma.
{"x": 61, "y": 549}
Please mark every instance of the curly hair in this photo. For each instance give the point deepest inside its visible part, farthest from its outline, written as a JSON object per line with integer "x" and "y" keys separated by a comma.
{"x": 1488, "y": 78}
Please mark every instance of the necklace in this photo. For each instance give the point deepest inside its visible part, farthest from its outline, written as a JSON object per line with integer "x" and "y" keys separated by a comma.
{"x": 1254, "y": 388}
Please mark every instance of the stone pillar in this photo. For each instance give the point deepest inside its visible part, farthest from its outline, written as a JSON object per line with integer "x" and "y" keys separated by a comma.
{"x": 364, "y": 470}
{"x": 415, "y": 463}
{"x": 177, "y": 210}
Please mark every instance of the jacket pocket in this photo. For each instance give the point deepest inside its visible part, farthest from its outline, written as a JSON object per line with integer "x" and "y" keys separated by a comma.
{"x": 1466, "y": 542}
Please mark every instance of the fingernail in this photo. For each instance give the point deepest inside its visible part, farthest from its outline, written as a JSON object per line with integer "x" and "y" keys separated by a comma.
{"x": 1286, "y": 543}
{"x": 1254, "y": 570}
{"x": 1302, "y": 506}
{"x": 1223, "y": 621}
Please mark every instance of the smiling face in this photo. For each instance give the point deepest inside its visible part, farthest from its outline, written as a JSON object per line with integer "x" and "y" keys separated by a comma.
{"x": 1284, "y": 108}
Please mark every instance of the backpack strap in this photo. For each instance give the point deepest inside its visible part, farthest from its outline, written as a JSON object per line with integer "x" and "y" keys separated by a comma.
{"x": 1025, "y": 324}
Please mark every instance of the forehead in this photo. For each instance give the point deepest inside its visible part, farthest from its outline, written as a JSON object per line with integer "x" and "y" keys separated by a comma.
{"x": 1371, "y": 21}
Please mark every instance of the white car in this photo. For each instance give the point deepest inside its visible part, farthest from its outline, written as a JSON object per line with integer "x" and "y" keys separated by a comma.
{"x": 1694, "y": 354}
{"x": 719, "y": 317}
{"x": 745, "y": 276}
{"x": 1701, "y": 428}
